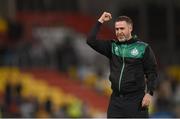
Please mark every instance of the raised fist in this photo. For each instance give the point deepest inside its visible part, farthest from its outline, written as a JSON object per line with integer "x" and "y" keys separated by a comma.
{"x": 105, "y": 17}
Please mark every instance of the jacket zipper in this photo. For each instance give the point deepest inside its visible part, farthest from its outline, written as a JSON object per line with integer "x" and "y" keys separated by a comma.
{"x": 122, "y": 69}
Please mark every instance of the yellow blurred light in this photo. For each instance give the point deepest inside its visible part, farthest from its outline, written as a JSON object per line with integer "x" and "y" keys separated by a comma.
{"x": 3, "y": 25}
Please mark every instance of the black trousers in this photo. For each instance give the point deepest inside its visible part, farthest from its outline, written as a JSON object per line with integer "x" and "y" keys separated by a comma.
{"x": 127, "y": 106}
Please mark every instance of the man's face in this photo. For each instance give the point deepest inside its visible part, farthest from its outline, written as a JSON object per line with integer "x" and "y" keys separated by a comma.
{"x": 123, "y": 30}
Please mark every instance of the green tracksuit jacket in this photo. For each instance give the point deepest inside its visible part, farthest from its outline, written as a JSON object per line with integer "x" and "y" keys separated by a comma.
{"x": 131, "y": 62}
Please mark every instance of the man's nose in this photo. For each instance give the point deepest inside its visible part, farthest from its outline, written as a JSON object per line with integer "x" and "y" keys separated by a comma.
{"x": 121, "y": 33}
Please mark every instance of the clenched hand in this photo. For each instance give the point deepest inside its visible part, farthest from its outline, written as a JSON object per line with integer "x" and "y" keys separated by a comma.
{"x": 105, "y": 17}
{"x": 147, "y": 99}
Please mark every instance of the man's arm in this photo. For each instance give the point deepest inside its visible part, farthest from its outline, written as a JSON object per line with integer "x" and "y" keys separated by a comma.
{"x": 101, "y": 46}
{"x": 150, "y": 69}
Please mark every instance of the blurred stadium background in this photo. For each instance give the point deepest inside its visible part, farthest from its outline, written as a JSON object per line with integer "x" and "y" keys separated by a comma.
{"x": 47, "y": 70}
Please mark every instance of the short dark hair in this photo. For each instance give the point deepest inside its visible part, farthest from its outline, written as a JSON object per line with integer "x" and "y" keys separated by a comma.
{"x": 125, "y": 18}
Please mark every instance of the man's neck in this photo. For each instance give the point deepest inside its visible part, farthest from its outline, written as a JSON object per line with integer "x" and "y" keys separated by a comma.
{"x": 130, "y": 37}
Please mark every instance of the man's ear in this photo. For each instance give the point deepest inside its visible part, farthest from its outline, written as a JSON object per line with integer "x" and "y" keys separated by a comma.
{"x": 130, "y": 27}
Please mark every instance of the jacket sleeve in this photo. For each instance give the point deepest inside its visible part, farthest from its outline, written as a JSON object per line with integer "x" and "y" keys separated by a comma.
{"x": 101, "y": 46}
{"x": 150, "y": 69}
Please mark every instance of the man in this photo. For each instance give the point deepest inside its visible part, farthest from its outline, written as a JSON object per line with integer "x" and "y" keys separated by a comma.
{"x": 132, "y": 68}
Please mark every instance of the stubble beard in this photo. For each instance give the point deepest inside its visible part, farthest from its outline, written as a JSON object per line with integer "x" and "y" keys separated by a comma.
{"x": 122, "y": 39}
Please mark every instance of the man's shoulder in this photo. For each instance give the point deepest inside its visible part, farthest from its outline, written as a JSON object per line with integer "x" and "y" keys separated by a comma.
{"x": 142, "y": 43}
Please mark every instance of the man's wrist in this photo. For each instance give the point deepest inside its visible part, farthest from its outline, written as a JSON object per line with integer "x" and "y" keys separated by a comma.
{"x": 150, "y": 92}
{"x": 100, "y": 20}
